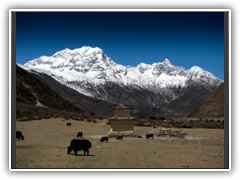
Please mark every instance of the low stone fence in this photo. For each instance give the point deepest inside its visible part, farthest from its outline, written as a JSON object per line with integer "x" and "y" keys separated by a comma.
{"x": 125, "y": 134}
{"x": 168, "y": 133}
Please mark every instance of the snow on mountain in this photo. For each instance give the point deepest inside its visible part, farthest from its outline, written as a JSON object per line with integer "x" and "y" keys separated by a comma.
{"x": 89, "y": 67}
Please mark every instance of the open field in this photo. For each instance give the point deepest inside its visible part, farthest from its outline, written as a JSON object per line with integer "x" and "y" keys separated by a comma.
{"x": 45, "y": 146}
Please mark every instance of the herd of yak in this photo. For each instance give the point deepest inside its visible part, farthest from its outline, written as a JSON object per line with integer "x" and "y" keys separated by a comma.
{"x": 81, "y": 144}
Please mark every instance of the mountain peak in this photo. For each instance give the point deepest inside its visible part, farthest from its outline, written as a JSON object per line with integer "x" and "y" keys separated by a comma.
{"x": 195, "y": 69}
{"x": 90, "y": 48}
{"x": 166, "y": 61}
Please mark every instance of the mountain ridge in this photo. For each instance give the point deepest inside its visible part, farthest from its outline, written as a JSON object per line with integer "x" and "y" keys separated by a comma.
{"x": 88, "y": 60}
{"x": 90, "y": 72}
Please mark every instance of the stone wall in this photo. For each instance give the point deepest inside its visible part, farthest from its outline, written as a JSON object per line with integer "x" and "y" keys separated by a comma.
{"x": 125, "y": 134}
{"x": 168, "y": 133}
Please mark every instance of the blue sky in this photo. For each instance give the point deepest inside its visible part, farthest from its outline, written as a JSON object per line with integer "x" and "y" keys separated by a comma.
{"x": 129, "y": 38}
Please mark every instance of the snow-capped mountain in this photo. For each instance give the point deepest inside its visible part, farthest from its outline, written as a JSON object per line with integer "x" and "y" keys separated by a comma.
{"x": 90, "y": 72}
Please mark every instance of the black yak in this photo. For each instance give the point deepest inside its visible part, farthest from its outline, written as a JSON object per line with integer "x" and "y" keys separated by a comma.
{"x": 69, "y": 124}
{"x": 79, "y": 134}
{"x": 105, "y": 138}
{"x": 19, "y": 135}
{"x": 78, "y": 145}
{"x": 149, "y": 135}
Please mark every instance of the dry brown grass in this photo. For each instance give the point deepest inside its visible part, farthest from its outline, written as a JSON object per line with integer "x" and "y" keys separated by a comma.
{"x": 46, "y": 141}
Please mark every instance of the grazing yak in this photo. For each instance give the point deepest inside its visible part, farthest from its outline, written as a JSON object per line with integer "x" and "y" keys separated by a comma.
{"x": 69, "y": 124}
{"x": 78, "y": 145}
{"x": 79, "y": 134}
{"x": 19, "y": 135}
{"x": 119, "y": 137}
{"x": 105, "y": 138}
{"x": 149, "y": 135}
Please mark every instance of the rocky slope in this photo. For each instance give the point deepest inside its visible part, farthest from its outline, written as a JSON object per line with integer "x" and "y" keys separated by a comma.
{"x": 213, "y": 106}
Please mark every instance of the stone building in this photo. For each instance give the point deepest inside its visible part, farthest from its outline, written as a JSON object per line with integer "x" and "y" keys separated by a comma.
{"x": 122, "y": 121}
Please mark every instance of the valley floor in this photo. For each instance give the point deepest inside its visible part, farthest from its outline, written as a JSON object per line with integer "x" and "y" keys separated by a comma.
{"x": 45, "y": 146}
